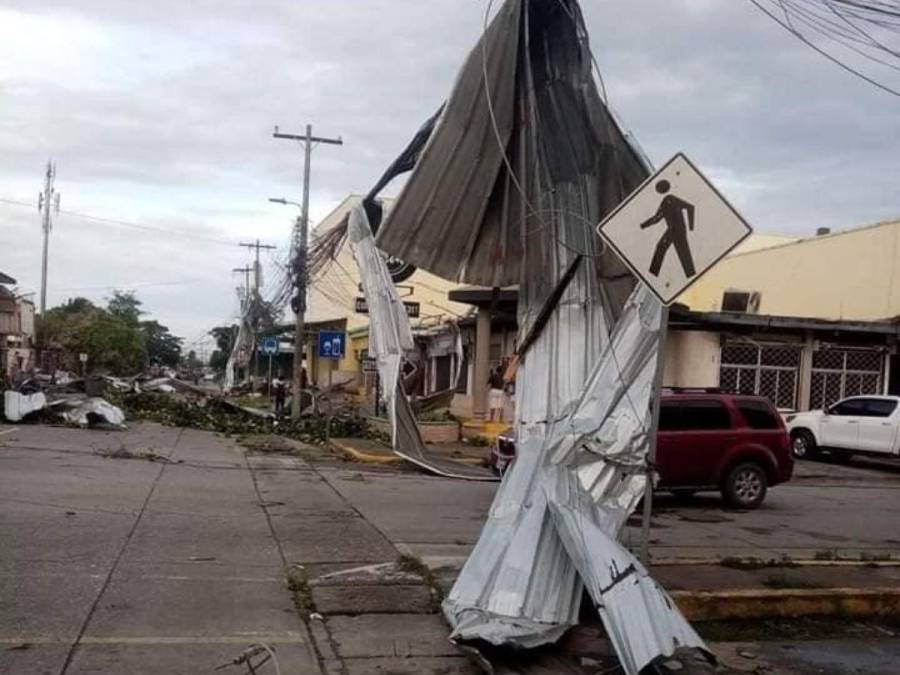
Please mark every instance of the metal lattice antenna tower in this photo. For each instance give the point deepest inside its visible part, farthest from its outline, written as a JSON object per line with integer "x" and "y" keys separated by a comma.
{"x": 48, "y": 200}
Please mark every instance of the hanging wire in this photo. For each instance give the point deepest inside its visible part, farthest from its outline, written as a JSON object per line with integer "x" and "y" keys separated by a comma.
{"x": 864, "y": 27}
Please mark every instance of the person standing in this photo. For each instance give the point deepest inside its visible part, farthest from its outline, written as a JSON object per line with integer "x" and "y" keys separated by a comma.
{"x": 279, "y": 391}
{"x": 496, "y": 394}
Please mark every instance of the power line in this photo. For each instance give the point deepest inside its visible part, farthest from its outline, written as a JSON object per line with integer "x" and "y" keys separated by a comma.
{"x": 130, "y": 225}
{"x": 849, "y": 24}
{"x": 137, "y": 284}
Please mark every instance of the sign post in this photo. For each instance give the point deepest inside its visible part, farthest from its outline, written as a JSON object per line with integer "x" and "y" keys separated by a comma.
{"x": 670, "y": 231}
{"x": 332, "y": 344}
{"x": 270, "y": 348}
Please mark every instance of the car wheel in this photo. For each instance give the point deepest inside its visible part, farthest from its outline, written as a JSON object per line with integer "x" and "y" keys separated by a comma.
{"x": 746, "y": 485}
{"x": 803, "y": 444}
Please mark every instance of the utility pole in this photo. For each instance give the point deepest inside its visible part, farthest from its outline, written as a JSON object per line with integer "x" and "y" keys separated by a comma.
{"x": 302, "y": 233}
{"x": 245, "y": 303}
{"x": 47, "y": 200}
{"x": 257, "y": 273}
{"x": 246, "y": 272}
{"x": 257, "y": 268}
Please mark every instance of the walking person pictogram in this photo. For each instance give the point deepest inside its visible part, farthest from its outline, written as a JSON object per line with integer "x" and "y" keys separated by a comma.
{"x": 679, "y": 217}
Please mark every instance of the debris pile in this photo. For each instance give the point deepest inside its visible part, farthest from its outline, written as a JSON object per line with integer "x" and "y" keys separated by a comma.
{"x": 62, "y": 397}
{"x": 214, "y": 413}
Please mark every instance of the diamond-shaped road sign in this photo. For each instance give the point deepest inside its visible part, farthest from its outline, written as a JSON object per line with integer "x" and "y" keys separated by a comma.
{"x": 673, "y": 228}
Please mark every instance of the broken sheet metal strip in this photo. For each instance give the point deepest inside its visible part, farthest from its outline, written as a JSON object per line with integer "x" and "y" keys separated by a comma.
{"x": 390, "y": 339}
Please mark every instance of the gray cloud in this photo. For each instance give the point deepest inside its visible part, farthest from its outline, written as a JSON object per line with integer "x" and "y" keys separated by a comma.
{"x": 162, "y": 113}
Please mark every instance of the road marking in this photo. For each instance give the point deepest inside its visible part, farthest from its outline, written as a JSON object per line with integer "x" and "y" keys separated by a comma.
{"x": 9, "y": 431}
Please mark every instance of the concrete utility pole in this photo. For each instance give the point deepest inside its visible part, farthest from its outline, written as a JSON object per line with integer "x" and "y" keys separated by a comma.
{"x": 257, "y": 270}
{"x": 245, "y": 303}
{"x": 47, "y": 200}
{"x": 246, "y": 272}
{"x": 300, "y": 260}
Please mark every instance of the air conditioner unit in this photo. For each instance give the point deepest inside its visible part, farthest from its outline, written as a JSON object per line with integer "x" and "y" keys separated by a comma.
{"x": 746, "y": 302}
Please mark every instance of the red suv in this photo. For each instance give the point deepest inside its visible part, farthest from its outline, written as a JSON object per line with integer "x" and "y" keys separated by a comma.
{"x": 708, "y": 440}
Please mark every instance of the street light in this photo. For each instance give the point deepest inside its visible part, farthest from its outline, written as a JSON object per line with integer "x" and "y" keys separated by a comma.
{"x": 282, "y": 200}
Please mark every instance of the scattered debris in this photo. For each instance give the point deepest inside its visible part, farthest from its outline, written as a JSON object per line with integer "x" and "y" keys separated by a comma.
{"x": 254, "y": 657}
{"x": 124, "y": 453}
{"x": 17, "y": 406}
{"x": 298, "y": 585}
{"x": 93, "y": 412}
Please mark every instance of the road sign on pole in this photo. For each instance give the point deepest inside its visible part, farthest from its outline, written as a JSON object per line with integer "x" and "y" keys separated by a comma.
{"x": 269, "y": 346}
{"x": 332, "y": 344}
{"x": 673, "y": 228}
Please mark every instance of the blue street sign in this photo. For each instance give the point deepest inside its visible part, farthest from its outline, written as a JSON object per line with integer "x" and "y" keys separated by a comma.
{"x": 332, "y": 344}
{"x": 269, "y": 346}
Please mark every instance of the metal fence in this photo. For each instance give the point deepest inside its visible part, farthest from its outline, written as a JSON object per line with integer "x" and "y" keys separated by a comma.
{"x": 838, "y": 373}
{"x": 770, "y": 370}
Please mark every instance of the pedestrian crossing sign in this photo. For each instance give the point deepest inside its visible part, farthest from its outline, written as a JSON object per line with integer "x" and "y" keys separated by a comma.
{"x": 673, "y": 228}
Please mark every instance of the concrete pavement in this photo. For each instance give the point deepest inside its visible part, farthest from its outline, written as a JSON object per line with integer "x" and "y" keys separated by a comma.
{"x": 130, "y": 565}
{"x": 176, "y": 565}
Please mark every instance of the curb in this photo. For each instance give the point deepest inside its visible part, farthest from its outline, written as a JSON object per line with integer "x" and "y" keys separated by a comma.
{"x": 371, "y": 458}
{"x": 366, "y": 457}
{"x": 765, "y": 564}
{"x": 787, "y": 603}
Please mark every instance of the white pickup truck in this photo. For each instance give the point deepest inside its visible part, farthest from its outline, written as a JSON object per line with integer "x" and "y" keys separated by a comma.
{"x": 860, "y": 424}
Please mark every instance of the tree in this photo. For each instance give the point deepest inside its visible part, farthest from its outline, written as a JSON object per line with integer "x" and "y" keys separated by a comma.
{"x": 114, "y": 339}
{"x": 163, "y": 348}
{"x": 125, "y": 306}
{"x": 80, "y": 327}
{"x": 225, "y": 337}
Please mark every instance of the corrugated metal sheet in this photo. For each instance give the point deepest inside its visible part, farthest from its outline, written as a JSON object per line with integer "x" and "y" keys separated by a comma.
{"x": 390, "y": 341}
{"x": 583, "y": 391}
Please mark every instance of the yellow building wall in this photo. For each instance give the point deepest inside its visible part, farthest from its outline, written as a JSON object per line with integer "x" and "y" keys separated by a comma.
{"x": 853, "y": 275}
{"x": 332, "y": 296}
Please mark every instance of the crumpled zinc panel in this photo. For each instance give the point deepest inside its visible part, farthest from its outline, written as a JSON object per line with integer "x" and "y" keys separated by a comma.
{"x": 390, "y": 340}
{"x": 556, "y": 163}
{"x": 390, "y": 337}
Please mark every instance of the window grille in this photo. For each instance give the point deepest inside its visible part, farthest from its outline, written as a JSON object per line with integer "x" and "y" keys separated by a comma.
{"x": 770, "y": 370}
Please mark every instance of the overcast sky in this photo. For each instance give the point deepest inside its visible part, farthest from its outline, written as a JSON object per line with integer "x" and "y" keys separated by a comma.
{"x": 161, "y": 113}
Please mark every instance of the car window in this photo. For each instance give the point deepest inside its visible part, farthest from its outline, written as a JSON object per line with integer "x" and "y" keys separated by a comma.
{"x": 879, "y": 407}
{"x": 758, "y": 414}
{"x": 693, "y": 416}
{"x": 853, "y": 406}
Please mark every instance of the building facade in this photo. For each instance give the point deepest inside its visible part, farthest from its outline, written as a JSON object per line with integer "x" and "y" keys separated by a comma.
{"x": 16, "y": 332}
